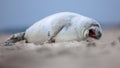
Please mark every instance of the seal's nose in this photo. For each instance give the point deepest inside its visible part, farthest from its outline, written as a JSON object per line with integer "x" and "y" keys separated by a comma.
{"x": 98, "y": 35}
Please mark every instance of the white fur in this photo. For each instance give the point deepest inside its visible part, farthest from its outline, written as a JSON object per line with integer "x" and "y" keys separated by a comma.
{"x": 74, "y": 29}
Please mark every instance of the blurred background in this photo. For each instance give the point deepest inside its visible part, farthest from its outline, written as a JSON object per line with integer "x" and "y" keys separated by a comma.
{"x": 17, "y": 15}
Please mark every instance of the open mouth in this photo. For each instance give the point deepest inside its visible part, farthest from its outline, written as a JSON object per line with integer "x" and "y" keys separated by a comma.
{"x": 92, "y": 33}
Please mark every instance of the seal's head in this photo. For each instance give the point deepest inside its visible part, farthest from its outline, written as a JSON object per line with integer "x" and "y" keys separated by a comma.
{"x": 93, "y": 32}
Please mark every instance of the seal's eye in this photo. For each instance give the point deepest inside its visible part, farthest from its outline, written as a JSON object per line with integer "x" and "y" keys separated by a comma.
{"x": 91, "y": 33}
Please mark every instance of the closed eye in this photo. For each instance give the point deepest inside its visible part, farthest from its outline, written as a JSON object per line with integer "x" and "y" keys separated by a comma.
{"x": 95, "y": 25}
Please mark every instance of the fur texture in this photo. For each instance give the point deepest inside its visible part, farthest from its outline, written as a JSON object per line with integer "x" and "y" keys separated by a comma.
{"x": 59, "y": 27}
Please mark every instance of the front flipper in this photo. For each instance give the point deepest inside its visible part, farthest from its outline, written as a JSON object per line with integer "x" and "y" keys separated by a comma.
{"x": 56, "y": 28}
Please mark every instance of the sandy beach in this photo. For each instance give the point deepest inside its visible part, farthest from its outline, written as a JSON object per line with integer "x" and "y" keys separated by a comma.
{"x": 103, "y": 53}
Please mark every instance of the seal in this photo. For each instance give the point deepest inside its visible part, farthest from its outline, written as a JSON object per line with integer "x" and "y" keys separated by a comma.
{"x": 60, "y": 27}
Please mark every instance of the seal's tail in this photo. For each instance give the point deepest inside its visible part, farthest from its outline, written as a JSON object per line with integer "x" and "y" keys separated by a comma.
{"x": 15, "y": 38}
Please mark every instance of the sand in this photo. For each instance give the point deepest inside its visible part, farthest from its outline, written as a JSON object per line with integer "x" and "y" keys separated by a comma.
{"x": 103, "y": 53}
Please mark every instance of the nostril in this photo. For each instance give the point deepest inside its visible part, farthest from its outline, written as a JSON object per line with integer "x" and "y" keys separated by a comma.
{"x": 99, "y": 35}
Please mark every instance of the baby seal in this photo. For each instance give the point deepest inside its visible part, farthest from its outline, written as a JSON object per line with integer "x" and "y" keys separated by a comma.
{"x": 60, "y": 27}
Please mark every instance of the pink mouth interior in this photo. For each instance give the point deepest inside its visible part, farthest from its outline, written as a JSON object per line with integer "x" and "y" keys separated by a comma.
{"x": 92, "y": 33}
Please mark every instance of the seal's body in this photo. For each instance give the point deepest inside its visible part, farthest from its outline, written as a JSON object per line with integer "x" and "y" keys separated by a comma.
{"x": 64, "y": 26}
